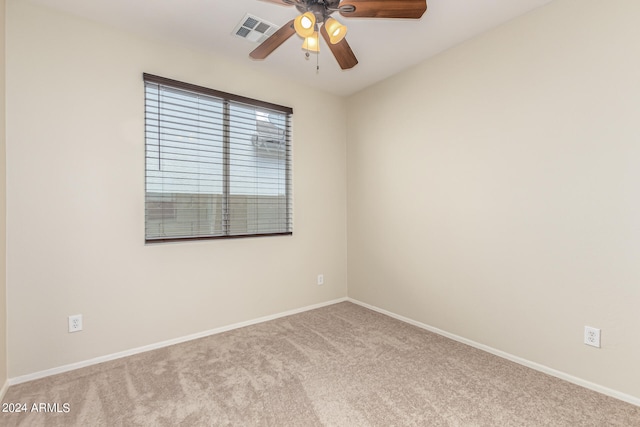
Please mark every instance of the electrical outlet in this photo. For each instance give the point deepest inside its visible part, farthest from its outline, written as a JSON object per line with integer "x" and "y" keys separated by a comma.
{"x": 75, "y": 323}
{"x": 592, "y": 336}
{"x": 320, "y": 279}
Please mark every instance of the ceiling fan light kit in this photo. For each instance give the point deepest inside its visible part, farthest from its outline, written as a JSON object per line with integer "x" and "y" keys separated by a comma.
{"x": 316, "y": 14}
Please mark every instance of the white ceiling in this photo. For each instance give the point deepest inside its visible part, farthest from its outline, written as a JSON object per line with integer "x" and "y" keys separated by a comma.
{"x": 383, "y": 46}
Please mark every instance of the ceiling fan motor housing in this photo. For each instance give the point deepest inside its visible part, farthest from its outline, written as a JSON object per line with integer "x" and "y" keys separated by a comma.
{"x": 322, "y": 9}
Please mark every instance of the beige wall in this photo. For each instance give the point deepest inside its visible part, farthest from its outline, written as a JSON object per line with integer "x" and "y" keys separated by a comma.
{"x": 75, "y": 155}
{"x": 494, "y": 191}
{"x": 3, "y": 216}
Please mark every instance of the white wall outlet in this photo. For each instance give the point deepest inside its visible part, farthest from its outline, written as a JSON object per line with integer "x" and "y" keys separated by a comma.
{"x": 592, "y": 336}
{"x": 320, "y": 279}
{"x": 75, "y": 323}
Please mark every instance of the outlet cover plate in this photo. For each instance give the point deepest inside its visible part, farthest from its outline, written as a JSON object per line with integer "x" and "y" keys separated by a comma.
{"x": 75, "y": 323}
{"x": 592, "y": 336}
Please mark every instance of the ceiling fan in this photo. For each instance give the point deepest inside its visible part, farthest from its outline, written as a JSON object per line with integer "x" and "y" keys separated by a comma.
{"x": 316, "y": 17}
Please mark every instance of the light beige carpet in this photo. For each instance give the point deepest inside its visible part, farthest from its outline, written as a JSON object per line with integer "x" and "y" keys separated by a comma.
{"x": 341, "y": 365}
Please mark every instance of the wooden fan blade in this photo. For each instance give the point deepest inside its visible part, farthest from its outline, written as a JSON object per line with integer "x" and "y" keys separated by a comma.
{"x": 412, "y": 9}
{"x": 275, "y": 40}
{"x": 341, "y": 50}
{"x": 281, "y": 2}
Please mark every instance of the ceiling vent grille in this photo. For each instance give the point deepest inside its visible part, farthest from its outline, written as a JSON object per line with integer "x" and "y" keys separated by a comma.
{"x": 254, "y": 29}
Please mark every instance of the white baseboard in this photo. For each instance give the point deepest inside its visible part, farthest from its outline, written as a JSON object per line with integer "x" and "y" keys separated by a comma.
{"x": 119, "y": 355}
{"x": 519, "y": 360}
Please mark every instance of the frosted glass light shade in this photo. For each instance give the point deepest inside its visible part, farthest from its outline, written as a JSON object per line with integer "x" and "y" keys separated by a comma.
{"x": 311, "y": 43}
{"x": 305, "y": 24}
{"x": 336, "y": 30}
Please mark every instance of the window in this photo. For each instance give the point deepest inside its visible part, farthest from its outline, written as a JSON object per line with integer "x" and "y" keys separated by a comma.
{"x": 217, "y": 165}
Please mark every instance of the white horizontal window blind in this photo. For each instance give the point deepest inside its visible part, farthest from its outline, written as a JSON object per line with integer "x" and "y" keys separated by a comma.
{"x": 217, "y": 165}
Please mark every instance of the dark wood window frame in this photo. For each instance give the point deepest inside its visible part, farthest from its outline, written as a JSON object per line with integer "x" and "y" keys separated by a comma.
{"x": 231, "y": 179}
